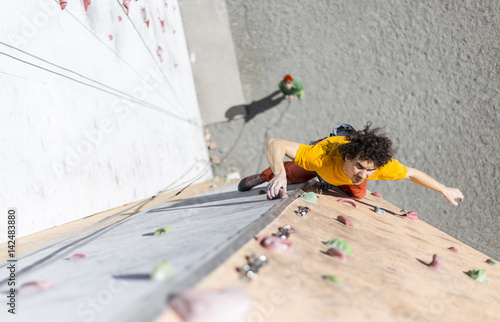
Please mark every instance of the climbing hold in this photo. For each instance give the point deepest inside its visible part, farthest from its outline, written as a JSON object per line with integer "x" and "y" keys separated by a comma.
{"x": 229, "y": 304}
{"x": 162, "y": 231}
{"x": 345, "y": 221}
{"x": 86, "y": 3}
{"x": 159, "y": 52}
{"x": 110, "y": 37}
{"x": 478, "y": 274}
{"x": 119, "y": 18}
{"x": 349, "y": 202}
{"x": 491, "y": 262}
{"x": 162, "y": 22}
{"x": 452, "y": 248}
{"x": 412, "y": 215}
{"x": 77, "y": 255}
{"x": 275, "y": 243}
{"x": 302, "y": 211}
{"x": 281, "y": 195}
{"x": 337, "y": 253}
{"x": 437, "y": 262}
{"x": 377, "y": 194}
{"x": 126, "y": 3}
{"x": 332, "y": 279}
{"x": 310, "y": 197}
{"x": 161, "y": 271}
{"x": 255, "y": 262}
{"x": 339, "y": 243}
{"x": 145, "y": 16}
{"x": 404, "y": 211}
{"x": 285, "y": 231}
{"x": 34, "y": 287}
{"x": 379, "y": 210}
{"x": 63, "y": 4}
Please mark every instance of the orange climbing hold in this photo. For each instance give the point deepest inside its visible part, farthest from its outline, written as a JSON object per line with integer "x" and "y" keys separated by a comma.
{"x": 345, "y": 221}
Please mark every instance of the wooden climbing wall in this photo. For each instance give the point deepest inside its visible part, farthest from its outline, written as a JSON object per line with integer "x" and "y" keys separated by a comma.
{"x": 386, "y": 279}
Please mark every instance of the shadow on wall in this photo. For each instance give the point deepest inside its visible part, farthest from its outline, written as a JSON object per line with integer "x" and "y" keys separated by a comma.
{"x": 250, "y": 111}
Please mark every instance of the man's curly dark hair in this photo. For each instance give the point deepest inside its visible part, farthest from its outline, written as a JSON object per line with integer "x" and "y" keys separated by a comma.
{"x": 368, "y": 145}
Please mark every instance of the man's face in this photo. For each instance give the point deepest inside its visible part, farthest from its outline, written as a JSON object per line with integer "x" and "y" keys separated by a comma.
{"x": 358, "y": 171}
{"x": 288, "y": 85}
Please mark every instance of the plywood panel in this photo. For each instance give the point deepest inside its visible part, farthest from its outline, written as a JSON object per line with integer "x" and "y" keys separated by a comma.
{"x": 386, "y": 278}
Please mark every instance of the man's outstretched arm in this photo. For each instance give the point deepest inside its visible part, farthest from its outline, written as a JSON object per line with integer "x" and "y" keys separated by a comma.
{"x": 425, "y": 180}
{"x": 276, "y": 150}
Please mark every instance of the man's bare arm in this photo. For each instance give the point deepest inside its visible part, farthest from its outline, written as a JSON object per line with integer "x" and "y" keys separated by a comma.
{"x": 276, "y": 150}
{"x": 425, "y": 180}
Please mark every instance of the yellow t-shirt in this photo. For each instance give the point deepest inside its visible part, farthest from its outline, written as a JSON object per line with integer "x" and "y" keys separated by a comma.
{"x": 325, "y": 159}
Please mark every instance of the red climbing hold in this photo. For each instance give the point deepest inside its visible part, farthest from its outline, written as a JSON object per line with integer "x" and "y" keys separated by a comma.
{"x": 337, "y": 253}
{"x": 281, "y": 195}
{"x": 33, "y": 287}
{"x": 110, "y": 37}
{"x": 377, "y": 194}
{"x": 77, "y": 255}
{"x": 349, "y": 202}
{"x": 453, "y": 249}
{"x": 119, "y": 18}
{"x": 145, "y": 16}
{"x": 437, "y": 262}
{"x": 126, "y": 3}
{"x": 63, "y": 4}
{"x": 275, "y": 243}
{"x": 345, "y": 221}
{"x": 412, "y": 215}
{"x": 159, "y": 52}
{"x": 86, "y": 4}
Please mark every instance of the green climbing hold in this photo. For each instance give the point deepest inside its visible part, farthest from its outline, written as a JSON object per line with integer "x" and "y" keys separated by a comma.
{"x": 379, "y": 210}
{"x": 340, "y": 244}
{"x": 310, "y": 197}
{"x": 162, "y": 270}
{"x": 162, "y": 231}
{"x": 491, "y": 262}
{"x": 332, "y": 279}
{"x": 478, "y": 275}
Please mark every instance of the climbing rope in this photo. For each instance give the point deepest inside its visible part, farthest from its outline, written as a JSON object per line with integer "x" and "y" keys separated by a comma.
{"x": 118, "y": 93}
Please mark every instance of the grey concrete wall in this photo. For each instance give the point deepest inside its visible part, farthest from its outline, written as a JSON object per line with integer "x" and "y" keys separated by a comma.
{"x": 427, "y": 70}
